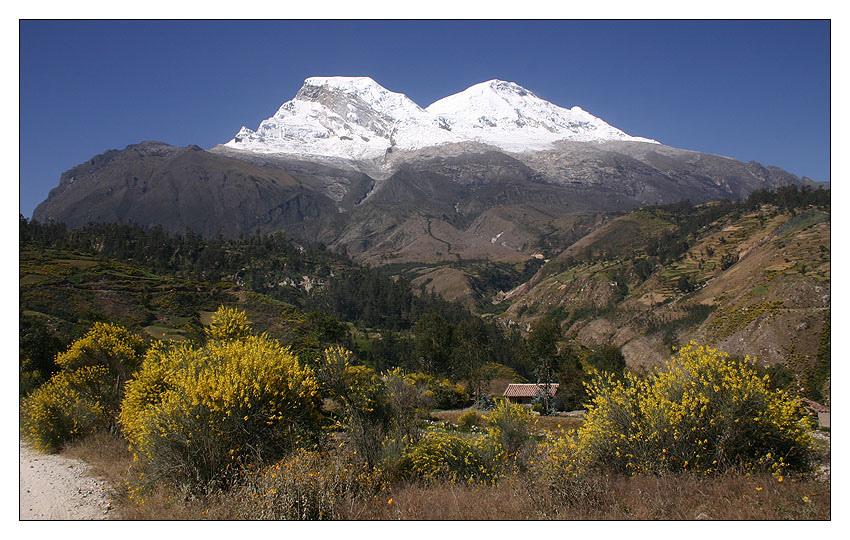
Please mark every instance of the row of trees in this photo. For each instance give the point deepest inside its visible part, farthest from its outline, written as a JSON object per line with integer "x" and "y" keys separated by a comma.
{"x": 260, "y": 260}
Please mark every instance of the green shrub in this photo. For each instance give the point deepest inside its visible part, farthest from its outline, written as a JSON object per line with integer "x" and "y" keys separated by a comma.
{"x": 85, "y": 395}
{"x": 69, "y": 406}
{"x": 194, "y": 413}
{"x": 367, "y": 414}
{"x": 408, "y": 402}
{"x": 304, "y": 485}
{"x": 702, "y": 413}
{"x": 444, "y": 456}
{"x": 469, "y": 420}
{"x": 511, "y": 426}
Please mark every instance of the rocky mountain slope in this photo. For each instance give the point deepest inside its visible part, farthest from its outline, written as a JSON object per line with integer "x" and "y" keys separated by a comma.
{"x": 152, "y": 183}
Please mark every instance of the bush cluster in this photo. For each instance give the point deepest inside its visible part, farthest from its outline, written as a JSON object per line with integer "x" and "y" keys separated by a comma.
{"x": 194, "y": 413}
{"x": 469, "y": 420}
{"x": 447, "y": 456}
{"x": 85, "y": 395}
{"x": 703, "y": 413}
{"x": 442, "y": 393}
{"x": 306, "y": 484}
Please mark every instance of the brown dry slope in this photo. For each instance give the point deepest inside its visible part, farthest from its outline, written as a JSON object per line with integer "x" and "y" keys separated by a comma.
{"x": 57, "y": 488}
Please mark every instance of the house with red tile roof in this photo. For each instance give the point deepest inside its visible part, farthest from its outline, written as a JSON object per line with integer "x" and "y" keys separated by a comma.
{"x": 525, "y": 393}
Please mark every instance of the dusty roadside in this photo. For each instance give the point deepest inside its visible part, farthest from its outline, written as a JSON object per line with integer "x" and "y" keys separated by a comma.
{"x": 55, "y": 487}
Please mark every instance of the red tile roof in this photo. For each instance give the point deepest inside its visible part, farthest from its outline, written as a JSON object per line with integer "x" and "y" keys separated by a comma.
{"x": 528, "y": 390}
{"x": 813, "y": 406}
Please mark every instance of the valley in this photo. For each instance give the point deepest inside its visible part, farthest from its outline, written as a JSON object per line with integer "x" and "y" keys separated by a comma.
{"x": 321, "y": 316}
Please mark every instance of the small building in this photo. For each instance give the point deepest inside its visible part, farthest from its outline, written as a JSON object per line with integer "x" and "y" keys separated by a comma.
{"x": 525, "y": 393}
{"x": 822, "y": 412}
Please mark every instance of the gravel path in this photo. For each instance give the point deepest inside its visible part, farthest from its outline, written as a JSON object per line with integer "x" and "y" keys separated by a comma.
{"x": 55, "y": 487}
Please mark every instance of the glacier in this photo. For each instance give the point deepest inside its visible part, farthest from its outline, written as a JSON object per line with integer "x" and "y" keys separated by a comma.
{"x": 356, "y": 118}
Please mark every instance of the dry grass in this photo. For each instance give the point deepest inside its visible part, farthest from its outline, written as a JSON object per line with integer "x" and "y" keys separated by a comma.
{"x": 110, "y": 459}
{"x": 728, "y": 497}
{"x": 107, "y": 454}
{"x": 731, "y": 496}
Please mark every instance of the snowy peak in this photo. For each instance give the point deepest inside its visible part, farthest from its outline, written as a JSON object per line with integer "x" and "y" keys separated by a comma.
{"x": 344, "y": 93}
{"x": 345, "y": 117}
{"x": 356, "y": 118}
{"x": 507, "y": 115}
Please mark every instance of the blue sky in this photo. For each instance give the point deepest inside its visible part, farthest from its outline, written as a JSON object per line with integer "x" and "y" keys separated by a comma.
{"x": 752, "y": 90}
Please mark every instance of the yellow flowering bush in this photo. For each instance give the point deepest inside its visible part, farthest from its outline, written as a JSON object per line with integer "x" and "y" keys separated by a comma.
{"x": 227, "y": 324}
{"x": 195, "y": 414}
{"x": 69, "y": 406}
{"x": 108, "y": 345}
{"x": 367, "y": 414}
{"x": 452, "y": 457}
{"x": 442, "y": 393}
{"x": 558, "y": 467}
{"x": 703, "y": 412}
{"x": 85, "y": 395}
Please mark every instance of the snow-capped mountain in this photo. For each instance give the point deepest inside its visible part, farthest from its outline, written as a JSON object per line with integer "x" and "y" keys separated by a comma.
{"x": 506, "y": 115}
{"x": 356, "y": 118}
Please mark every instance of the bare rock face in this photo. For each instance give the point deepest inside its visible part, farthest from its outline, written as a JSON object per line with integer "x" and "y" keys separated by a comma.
{"x": 157, "y": 184}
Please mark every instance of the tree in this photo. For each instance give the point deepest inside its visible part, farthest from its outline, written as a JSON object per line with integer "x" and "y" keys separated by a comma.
{"x": 686, "y": 284}
{"x": 541, "y": 352}
{"x": 607, "y": 358}
{"x": 471, "y": 353}
{"x": 37, "y": 348}
{"x": 433, "y": 343}
{"x": 571, "y": 379}
{"x": 326, "y": 328}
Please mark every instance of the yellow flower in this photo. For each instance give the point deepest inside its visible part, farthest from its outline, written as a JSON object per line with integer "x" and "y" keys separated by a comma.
{"x": 390, "y": 501}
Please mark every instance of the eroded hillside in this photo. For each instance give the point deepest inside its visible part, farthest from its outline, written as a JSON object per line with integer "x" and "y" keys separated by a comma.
{"x": 749, "y": 278}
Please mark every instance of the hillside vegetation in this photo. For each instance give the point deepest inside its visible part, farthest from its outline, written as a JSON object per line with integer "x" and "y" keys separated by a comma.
{"x": 749, "y": 277}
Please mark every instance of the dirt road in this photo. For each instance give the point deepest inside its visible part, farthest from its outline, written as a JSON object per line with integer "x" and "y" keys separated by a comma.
{"x": 55, "y": 487}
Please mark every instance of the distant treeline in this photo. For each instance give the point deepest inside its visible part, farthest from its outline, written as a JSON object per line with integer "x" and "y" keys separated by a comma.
{"x": 266, "y": 263}
{"x": 274, "y": 265}
{"x": 208, "y": 259}
{"x": 791, "y": 198}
